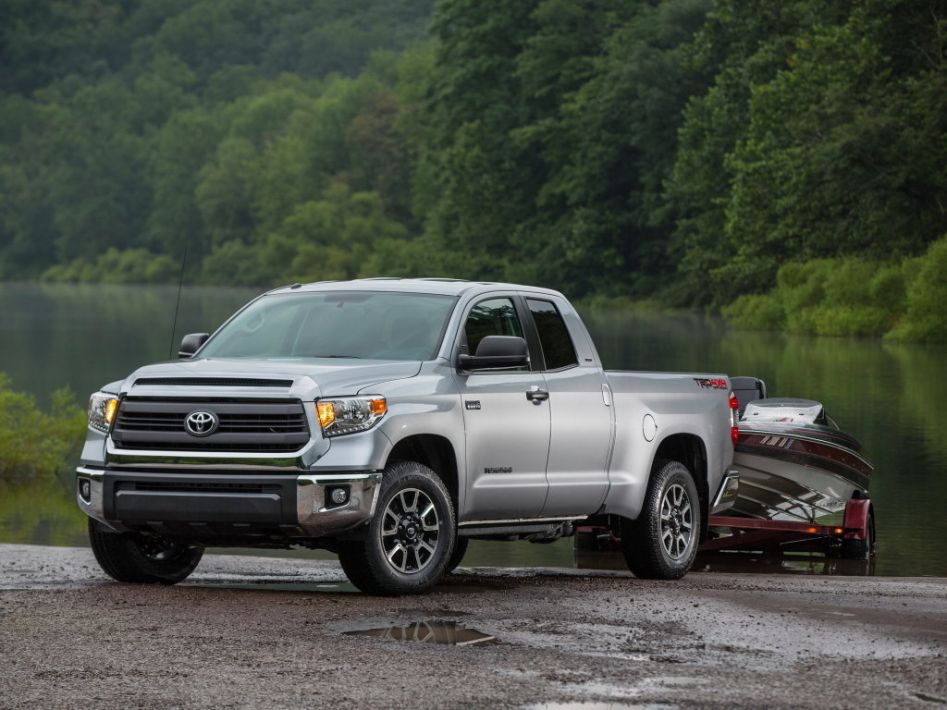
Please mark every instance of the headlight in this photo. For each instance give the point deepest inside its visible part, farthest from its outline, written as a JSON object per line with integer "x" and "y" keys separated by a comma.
{"x": 350, "y": 414}
{"x": 102, "y": 409}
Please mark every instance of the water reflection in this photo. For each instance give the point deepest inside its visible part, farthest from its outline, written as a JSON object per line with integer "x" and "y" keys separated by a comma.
{"x": 42, "y": 513}
{"x": 790, "y": 563}
{"x": 888, "y": 396}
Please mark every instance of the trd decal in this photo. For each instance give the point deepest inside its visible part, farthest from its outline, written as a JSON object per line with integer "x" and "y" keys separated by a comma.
{"x": 498, "y": 469}
{"x": 711, "y": 383}
{"x": 472, "y": 403}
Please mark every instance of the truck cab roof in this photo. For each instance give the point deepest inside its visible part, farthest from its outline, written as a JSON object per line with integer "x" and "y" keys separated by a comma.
{"x": 439, "y": 286}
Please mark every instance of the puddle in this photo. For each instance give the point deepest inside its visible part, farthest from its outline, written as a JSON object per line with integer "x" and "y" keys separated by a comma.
{"x": 449, "y": 633}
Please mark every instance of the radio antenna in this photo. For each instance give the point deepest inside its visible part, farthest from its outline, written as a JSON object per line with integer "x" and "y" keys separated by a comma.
{"x": 177, "y": 303}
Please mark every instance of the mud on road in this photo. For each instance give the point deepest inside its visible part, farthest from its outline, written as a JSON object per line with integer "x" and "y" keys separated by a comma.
{"x": 266, "y": 632}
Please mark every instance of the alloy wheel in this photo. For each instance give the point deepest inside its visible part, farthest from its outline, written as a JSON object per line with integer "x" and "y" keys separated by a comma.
{"x": 677, "y": 521}
{"x": 409, "y": 531}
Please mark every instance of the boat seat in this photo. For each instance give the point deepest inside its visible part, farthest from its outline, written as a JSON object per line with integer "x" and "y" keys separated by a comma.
{"x": 747, "y": 389}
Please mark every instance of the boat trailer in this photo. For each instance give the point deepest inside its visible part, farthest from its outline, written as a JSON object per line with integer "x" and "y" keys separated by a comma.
{"x": 853, "y": 539}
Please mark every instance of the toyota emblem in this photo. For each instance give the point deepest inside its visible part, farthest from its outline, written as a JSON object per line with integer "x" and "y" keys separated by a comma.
{"x": 201, "y": 423}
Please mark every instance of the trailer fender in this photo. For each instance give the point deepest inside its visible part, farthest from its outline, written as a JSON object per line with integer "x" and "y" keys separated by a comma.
{"x": 857, "y": 515}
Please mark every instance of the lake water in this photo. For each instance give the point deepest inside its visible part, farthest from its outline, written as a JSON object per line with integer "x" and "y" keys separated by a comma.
{"x": 891, "y": 397}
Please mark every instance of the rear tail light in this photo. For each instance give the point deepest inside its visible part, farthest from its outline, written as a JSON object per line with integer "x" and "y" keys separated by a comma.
{"x": 734, "y": 418}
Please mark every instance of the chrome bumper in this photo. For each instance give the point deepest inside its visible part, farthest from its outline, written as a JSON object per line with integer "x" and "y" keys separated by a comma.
{"x": 317, "y": 519}
{"x": 727, "y": 494}
{"x": 315, "y": 515}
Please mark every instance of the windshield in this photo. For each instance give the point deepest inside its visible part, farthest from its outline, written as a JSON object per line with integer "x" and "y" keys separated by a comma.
{"x": 343, "y": 324}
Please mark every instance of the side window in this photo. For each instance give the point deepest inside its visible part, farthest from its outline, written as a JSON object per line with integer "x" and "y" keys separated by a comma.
{"x": 495, "y": 316}
{"x": 553, "y": 335}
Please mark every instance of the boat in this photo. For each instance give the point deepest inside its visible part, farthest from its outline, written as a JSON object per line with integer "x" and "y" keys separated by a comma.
{"x": 795, "y": 463}
{"x": 801, "y": 486}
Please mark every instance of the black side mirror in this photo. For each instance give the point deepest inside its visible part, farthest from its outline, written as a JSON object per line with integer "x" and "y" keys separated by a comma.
{"x": 191, "y": 343}
{"x": 496, "y": 351}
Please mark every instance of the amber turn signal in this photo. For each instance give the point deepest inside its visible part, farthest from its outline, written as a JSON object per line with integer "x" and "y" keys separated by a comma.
{"x": 326, "y": 412}
{"x": 111, "y": 407}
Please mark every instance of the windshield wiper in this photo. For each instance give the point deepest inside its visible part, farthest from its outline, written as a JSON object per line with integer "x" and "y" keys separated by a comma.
{"x": 344, "y": 357}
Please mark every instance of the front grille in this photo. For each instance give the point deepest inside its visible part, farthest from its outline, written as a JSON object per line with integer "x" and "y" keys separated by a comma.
{"x": 245, "y": 425}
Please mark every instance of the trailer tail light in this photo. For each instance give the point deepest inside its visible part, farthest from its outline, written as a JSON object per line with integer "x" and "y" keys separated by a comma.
{"x": 734, "y": 418}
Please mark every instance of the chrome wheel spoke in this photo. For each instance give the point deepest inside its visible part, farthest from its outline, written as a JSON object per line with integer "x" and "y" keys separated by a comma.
{"x": 676, "y": 521}
{"x": 410, "y": 531}
{"x": 404, "y": 557}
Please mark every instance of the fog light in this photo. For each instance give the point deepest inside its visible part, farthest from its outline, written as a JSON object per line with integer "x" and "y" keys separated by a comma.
{"x": 85, "y": 490}
{"x": 339, "y": 495}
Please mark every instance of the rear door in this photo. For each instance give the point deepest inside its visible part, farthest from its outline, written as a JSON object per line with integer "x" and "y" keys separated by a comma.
{"x": 581, "y": 418}
{"x": 507, "y": 433}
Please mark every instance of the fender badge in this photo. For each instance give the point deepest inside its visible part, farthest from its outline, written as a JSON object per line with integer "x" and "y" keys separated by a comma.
{"x": 716, "y": 383}
{"x": 472, "y": 403}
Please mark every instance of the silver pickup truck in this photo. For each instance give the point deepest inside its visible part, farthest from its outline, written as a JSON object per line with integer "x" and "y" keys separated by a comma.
{"x": 391, "y": 421}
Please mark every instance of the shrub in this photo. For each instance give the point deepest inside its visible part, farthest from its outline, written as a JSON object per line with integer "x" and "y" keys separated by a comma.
{"x": 849, "y": 296}
{"x": 925, "y": 318}
{"x": 117, "y": 266}
{"x": 756, "y": 312}
{"x": 34, "y": 444}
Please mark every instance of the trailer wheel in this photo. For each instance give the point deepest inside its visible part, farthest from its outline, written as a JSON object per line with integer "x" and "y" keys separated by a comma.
{"x": 142, "y": 559}
{"x": 861, "y": 549}
{"x": 662, "y": 542}
{"x": 409, "y": 540}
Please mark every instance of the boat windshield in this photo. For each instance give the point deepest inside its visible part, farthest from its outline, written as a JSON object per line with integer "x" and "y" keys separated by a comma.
{"x": 789, "y": 411}
{"x": 376, "y": 325}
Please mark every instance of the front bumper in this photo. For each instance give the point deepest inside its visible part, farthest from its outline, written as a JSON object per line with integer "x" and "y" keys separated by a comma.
{"x": 251, "y": 505}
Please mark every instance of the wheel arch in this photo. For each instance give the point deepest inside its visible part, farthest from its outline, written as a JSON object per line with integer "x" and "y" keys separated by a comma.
{"x": 690, "y": 450}
{"x": 434, "y": 451}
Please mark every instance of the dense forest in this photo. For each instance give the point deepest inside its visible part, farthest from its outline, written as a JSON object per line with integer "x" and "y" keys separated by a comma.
{"x": 782, "y": 160}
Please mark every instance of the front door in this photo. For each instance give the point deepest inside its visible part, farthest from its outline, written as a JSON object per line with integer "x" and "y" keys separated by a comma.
{"x": 507, "y": 433}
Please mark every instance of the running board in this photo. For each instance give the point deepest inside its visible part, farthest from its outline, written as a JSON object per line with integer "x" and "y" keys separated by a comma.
{"x": 552, "y": 527}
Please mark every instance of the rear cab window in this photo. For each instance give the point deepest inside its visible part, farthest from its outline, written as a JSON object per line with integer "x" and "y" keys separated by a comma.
{"x": 558, "y": 350}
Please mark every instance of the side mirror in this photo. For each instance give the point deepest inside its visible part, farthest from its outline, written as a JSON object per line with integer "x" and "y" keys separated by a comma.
{"x": 496, "y": 351}
{"x": 191, "y": 343}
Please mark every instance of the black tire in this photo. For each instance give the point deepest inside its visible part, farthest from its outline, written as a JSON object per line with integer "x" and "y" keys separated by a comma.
{"x": 860, "y": 549}
{"x": 413, "y": 568}
{"x": 137, "y": 558}
{"x": 457, "y": 556}
{"x": 650, "y": 554}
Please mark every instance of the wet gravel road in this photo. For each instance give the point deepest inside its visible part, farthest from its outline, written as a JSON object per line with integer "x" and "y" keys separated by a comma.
{"x": 267, "y": 632}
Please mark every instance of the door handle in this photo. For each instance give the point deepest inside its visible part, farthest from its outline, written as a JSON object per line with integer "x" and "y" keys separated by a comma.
{"x": 536, "y": 395}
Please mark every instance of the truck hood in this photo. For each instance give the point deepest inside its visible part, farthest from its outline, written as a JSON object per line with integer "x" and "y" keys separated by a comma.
{"x": 311, "y": 377}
